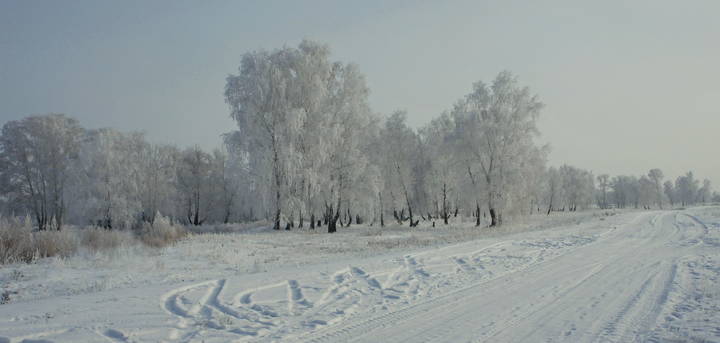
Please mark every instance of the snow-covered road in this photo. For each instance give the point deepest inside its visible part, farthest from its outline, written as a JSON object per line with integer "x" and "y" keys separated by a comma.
{"x": 619, "y": 288}
{"x": 643, "y": 276}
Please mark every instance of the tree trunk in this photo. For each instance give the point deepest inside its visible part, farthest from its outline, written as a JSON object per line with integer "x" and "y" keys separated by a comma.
{"x": 411, "y": 215}
{"x": 334, "y": 218}
{"x": 444, "y": 205}
{"x": 300, "y": 220}
{"x": 278, "y": 182}
{"x": 276, "y": 226}
{"x": 493, "y": 218}
{"x": 382, "y": 211}
{"x": 312, "y": 221}
{"x": 349, "y": 217}
{"x": 332, "y": 226}
{"x": 477, "y": 214}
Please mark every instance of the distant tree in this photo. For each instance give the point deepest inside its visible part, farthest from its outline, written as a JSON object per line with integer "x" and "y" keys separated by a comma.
{"x": 705, "y": 193}
{"x": 443, "y": 174}
{"x": 194, "y": 184}
{"x": 687, "y": 188}
{"x": 555, "y": 189}
{"x": 604, "y": 184}
{"x": 626, "y": 191}
{"x": 401, "y": 150}
{"x": 158, "y": 178}
{"x": 105, "y": 182}
{"x": 716, "y": 197}
{"x": 656, "y": 175}
{"x": 300, "y": 120}
{"x": 225, "y": 178}
{"x": 578, "y": 186}
{"x": 647, "y": 191}
{"x": 36, "y": 154}
{"x": 669, "y": 190}
{"x": 261, "y": 98}
{"x": 496, "y": 125}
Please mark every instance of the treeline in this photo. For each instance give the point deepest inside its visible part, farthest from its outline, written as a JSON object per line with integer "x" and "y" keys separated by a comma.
{"x": 56, "y": 171}
{"x": 310, "y": 152}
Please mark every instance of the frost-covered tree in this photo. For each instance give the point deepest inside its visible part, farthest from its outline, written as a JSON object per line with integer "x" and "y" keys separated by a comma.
{"x": 669, "y": 190}
{"x": 625, "y": 190}
{"x": 36, "y": 154}
{"x": 686, "y": 188}
{"x": 716, "y": 197}
{"x": 496, "y": 125}
{"x": 400, "y": 159}
{"x": 441, "y": 182}
{"x": 656, "y": 175}
{"x": 299, "y": 119}
{"x": 195, "y": 181}
{"x": 226, "y": 176}
{"x": 106, "y": 185}
{"x": 555, "y": 190}
{"x": 578, "y": 187}
{"x": 261, "y": 98}
{"x": 603, "y": 184}
{"x": 647, "y": 191}
{"x": 705, "y": 193}
{"x": 346, "y": 117}
{"x": 529, "y": 193}
{"x": 158, "y": 179}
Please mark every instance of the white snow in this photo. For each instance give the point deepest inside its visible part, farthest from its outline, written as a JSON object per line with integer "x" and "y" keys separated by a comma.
{"x": 574, "y": 277}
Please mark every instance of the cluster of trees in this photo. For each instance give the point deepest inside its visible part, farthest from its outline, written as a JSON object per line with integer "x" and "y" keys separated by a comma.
{"x": 649, "y": 191}
{"x": 58, "y": 172}
{"x": 309, "y": 151}
{"x": 315, "y": 150}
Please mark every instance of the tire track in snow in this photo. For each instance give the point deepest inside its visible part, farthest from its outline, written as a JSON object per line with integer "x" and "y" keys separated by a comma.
{"x": 345, "y": 332}
{"x": 366, "y": 325}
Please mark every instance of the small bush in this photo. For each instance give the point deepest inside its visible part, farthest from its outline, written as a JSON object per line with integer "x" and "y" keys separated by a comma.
{"x": 98, "y": 239}
{"x": 18, "y": 243}
{"x": 16, "y": 240}
{"x": 399, "y": 242}
{"x": 161, "y": 233}
{"x": 55, "y": 243}
{"x": 228, "y": 228}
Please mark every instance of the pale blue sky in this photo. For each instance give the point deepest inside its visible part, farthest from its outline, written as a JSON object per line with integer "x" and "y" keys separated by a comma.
{"x": 629, "y": 85}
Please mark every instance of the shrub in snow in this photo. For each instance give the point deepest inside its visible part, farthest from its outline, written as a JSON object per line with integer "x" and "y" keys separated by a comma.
{"x": 15, "y": 241}
{"x": 97, "y": 239}
{"x": 161, "y": 233}
{"x": 18, "y": 243}
{"x": 55, "y": 243}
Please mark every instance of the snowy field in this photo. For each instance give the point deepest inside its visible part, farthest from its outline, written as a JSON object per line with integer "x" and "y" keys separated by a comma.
{"x": 580, "y": 277}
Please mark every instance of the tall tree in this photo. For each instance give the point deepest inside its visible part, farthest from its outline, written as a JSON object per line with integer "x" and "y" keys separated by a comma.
{"x": 656, "y": 175}
{"x": 687, "y": 187}
{"x": 195, "y": 184}
{"x": 105, "y": 182}
{"x": 36, "y": 154}
{"x": 496, "y": 125}
{"x": 669, "y": 190}
{"x": 401, "y": 155}
{"x": 604, "y": 183}
{"x": 300, "y": 118}
{"x": 441, "y": 182}
{"x": 261, "y": 102}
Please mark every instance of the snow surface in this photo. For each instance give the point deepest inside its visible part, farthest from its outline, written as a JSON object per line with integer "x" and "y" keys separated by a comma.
{"x": 580, "y": 277}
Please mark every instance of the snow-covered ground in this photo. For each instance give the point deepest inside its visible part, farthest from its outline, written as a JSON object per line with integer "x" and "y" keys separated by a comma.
{"x": 580, "y": 277}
